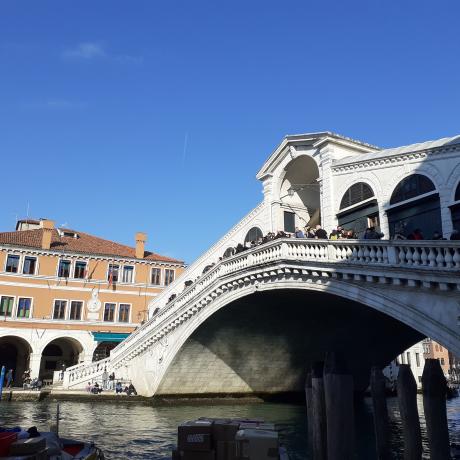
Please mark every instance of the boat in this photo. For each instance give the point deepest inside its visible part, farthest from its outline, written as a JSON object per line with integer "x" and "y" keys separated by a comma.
{"x": 19, "y": 444}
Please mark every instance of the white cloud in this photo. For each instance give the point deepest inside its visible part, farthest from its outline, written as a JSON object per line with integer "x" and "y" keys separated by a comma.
{"x": 86, "y": 50}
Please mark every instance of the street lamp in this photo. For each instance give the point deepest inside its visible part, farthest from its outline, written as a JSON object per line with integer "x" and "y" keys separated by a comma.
{"x": 299, "y": 187}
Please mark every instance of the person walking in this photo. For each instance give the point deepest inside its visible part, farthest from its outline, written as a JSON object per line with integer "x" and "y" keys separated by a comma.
{"x": 9, "y": 378}
{"x": 105, "y": 379}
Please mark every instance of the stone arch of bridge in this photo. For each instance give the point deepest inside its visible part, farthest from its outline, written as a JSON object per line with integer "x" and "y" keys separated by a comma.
{"x": 380, "y": 302}
{"x": 15, "y": 354}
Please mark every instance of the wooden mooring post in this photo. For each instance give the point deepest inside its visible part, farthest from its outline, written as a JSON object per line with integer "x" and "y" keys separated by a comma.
{"x": 319, "y": 412}
{"x": 379, "y": 404}
{"x": 407, "y": 399}
{"x": 308, "y": 399}
{"x": 434, "y": 386}
{"x": 338, "y": 392}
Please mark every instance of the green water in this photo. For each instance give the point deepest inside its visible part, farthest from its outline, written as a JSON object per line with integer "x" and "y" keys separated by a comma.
{"x": 128, "y": 430}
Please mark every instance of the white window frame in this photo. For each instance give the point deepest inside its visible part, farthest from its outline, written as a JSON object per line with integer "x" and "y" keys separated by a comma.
{"x": 70, "y": 269}
{"x": 19, "y": 272}
{"x": 118, "y": 312}
{"x": 23, "y": 260}
{"x": 66, "y": 310}
{"x": 123, "y": 271}
{"x": 120, "y": 266}
{"x": 74, "y": 265}
{"x": 174, "y": 278}
{"x": 161, "y": 276}
{"x": 70, "y": 306}
{"x": 16, "y": 307}
{"x": 115, "y": 312}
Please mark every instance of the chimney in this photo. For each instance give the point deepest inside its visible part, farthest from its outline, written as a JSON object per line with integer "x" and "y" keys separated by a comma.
{"x": 141, "y": 238}
{"x": 48, "y": 227}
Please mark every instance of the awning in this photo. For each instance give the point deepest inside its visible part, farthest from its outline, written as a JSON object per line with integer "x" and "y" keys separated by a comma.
{"x": 109, "y": 336}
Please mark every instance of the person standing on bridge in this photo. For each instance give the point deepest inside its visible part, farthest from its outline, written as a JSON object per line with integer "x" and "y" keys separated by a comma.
{"x": 299, "y": 233}
{"x": 320, "y": 233}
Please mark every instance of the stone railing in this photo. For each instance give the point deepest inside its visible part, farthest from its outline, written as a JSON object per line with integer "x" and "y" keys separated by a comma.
{"x": 78, "y": 375}
{"x": 429, "y": 263}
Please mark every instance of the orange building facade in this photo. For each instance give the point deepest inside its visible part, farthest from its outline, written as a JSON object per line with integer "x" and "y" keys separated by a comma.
{"x": 68, "y": 297}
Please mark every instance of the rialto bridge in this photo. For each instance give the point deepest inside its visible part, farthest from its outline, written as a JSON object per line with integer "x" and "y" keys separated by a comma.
{"x": 253, "y": 321}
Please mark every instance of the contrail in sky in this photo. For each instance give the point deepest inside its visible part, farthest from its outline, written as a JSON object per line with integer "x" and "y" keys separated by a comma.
{"x": 185, "y": 148}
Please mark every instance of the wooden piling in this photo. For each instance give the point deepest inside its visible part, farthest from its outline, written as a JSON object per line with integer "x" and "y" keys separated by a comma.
{"x": 379, "y": 404}
{"x": 338, "y": 392}
{"x": 308, "y": 398}
{"x": 434, "y": 403}
{"x": 407, "y": 399}
{"x": 319, "y": 412}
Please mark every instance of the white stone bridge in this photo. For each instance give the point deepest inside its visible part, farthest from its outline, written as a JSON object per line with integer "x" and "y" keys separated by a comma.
{"x": 253, "y": 321}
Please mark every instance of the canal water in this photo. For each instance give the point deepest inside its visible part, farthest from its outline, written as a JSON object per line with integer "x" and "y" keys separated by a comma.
{"x": 131, "y": 430}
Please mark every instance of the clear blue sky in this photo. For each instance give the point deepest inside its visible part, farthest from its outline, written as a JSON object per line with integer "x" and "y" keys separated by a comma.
{"x": 119, "y": 116}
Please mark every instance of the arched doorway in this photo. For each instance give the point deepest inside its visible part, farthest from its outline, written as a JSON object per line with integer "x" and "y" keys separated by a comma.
{"x": 15, "y": 354}
{"x": 300, "y": 195}
{"x": 103, "y": 350}
{"x": 358, "y": 209}
{"x": 254, "y": 234}
{"x": 455, "y": 209}
{"x": 57, "y": 355}
{"x": 414, "y": 204}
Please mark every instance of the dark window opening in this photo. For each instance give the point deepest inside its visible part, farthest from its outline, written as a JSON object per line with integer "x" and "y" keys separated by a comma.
{"x": 24, "y": 304}
{"x": 410, "y": 187}
{"x": 76, "y": 307}
{"x": 6, "y": 306}
{"x": 254, "y": 234}
{"x": 59, "y": 309}
{"x": 12, "y": 264}
{"x": 355, "y": 194}
{"x": 156, "y": 276}
{"x": 29, "y": 265}
{"x": 80, "y": 270}
{"x": 64, "y": 268}
{"x": 289, "y": 222}
{"x": 169, "y": 276}
{"x": 109, "y": 312}
{"x": 123, "y": 313}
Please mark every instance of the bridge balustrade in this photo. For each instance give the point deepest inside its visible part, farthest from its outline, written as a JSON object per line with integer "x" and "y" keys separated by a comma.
{"x": 436, "y": 261}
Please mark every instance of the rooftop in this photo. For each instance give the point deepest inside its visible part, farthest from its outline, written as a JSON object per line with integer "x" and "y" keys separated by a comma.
{"x": 421, "y": 146}
{"x": 67, "y": 240}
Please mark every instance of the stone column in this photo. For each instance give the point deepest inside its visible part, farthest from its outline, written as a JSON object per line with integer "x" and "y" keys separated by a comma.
{"x": 34, "y": 364}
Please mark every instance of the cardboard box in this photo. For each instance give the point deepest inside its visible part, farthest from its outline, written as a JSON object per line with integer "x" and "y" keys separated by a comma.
{"x": 195, "y": 436}
{"x": 224, "y": 431}
{"x": 198, "y": 455}
{"x": 226, "y": 450}
{"x": 257, "y": 445}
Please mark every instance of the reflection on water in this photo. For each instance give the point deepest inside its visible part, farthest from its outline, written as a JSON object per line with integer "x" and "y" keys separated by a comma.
{"x": 141, "y": 431}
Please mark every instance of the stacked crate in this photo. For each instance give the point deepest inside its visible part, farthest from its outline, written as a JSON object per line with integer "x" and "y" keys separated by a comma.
{"x": 226, "y": 439}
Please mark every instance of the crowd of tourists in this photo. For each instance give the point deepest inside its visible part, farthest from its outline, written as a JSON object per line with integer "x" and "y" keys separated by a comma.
{"x": 110, "y": 383}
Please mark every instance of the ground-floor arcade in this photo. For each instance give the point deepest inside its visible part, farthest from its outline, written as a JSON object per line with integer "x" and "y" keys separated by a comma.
{"x": 46, "y": 352}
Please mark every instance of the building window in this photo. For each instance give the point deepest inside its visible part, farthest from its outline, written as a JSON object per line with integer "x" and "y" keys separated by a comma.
{"x": 355, "y": 194}
{"x": 12, "y": 264}
{"x": 6, "y": 305}
{"x": 419, "y": 379}
{"x": 408, "y": 357}
{"x": 29, "y": 265}
{"x": 64, "y": 269}
{"x": 76, "y": 307}
{"x": 128, "y": 274}
{"x": 112, "y": 275}
{"x": 109, "y": 312}
{"x": 254, "y": 234}
{"x": 402, "y": 359}
{"x": 156, "y": 276}
{"x": 442, "y": 361}
{"x": 24, "y": 304}
{"x": 123, "y": 313}
{"x": 79, "y": 270}
{"x": 417, "y": 359}
{"x": 169, "y": 276}
{"x": 60, "y": 307}
{"x": 289, "y": 222}
{"x": 410, "y": 187}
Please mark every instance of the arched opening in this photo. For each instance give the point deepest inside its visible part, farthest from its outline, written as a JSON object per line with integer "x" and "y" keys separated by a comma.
{"x": 254, "y": 234}
{"x": 228, "y": 252}
{"x": 15, "y": 354}
{"x": 455, "y": 209}
{"x": 103, "y": 350}
{"x": 359, "y": 209}
{"x": 414, "y": 204}
{"x": 300, "y": 195}
{"x": 58, "y": 355}
{"x": 280, "y": 333}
